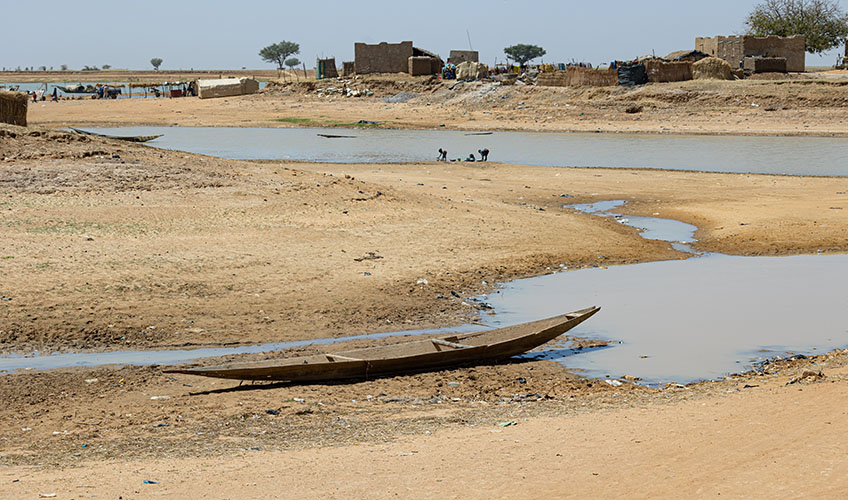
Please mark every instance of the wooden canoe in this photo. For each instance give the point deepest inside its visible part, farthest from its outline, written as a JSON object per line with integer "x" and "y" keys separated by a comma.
{"x": 420, "y": 355}
{"x": 130, "y": 138}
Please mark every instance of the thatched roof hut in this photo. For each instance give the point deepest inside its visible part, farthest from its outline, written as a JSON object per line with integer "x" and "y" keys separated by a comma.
{"x": 13, "y": 107}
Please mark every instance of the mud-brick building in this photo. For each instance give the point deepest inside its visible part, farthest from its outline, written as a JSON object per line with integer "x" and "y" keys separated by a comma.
{"x": 394, "y": 58}
{"x": 734, "y": 49}
{"x": 460, "y": 56}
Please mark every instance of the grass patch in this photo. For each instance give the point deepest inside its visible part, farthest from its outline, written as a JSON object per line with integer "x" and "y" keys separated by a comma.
{"x": 77, "y": 227}
{"x": 293, "y": 120}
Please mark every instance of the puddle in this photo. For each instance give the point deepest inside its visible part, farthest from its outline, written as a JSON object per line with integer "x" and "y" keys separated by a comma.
{"x": 679, "y": 234}
{"x": 697, "y": 319}
{"x": 770, "y": 155}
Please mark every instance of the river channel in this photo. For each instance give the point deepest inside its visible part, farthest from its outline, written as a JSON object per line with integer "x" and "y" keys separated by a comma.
{"x": 684, "y": 320}
{"x": 820, "y": 156}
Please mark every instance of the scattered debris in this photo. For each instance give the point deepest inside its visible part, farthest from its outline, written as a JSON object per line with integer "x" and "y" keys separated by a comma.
{"x": 369, "y": 256}
{"x": 403, "y": 96}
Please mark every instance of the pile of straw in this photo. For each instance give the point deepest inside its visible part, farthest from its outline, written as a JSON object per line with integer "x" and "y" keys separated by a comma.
{"x": 13, "y": 108}
{"x": 711, "y": 68}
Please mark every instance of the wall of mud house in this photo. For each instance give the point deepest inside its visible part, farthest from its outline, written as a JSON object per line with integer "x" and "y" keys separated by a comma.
{"x": 382, "y": 57}
{"x": 734, "y": 49}
{"x": 661, "y": 72}
{"x": 13, "y": 108}
{"x": 348, "y": 68}
{"x": 461, "y": 56}
{"x": 765, "y": 64}
{"x": 575, "y": 76}
{"x": 728, "y": 48}
{"x": 421, "y": 65}
{"x": 791, "y": 48}
{"x": 326, "y": 68}
{"x": 591, "y": 77}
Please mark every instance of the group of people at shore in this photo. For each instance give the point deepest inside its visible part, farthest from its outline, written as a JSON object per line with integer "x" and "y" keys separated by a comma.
{"x": 484, "y": 155}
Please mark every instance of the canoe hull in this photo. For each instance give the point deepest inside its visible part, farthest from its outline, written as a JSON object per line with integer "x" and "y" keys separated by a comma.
{"x": 494, "y": 346}
{"x": 128, "y": 138}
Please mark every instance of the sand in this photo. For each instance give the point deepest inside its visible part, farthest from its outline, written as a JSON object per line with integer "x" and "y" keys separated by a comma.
{"x": 110, "y": 245}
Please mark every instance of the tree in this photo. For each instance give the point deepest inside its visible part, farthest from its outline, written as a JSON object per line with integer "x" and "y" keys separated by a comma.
{"x": 64, "y": 67}
{"x": 292, "y": 62}
{"x": 523, "y": 53}
{"x": 156, "y": 62}
{"x": 106, "y": 66}
{"x": 822, "y": 22}
{"x": 277, "y": 53}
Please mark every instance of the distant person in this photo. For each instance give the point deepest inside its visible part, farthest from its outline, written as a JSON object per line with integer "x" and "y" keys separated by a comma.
{"x": 55, "y": 94}
{"x": 484, "y": 154}
{"x": 471, "y": 157}
{"x": 443, "y": 155}
{"x": 34, "y": 97}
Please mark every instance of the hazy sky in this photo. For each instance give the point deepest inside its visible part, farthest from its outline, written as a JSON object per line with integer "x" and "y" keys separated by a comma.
{"x": 213, "y": 34}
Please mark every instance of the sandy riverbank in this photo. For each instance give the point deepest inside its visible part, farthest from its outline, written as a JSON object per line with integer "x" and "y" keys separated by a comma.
{"x": 109, "y": 245}
{"x": 751, "y": 107}
{"x": 780, "y": 434}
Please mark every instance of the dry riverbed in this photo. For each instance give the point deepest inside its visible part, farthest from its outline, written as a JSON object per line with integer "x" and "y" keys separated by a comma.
{"x": 109, "y": 246}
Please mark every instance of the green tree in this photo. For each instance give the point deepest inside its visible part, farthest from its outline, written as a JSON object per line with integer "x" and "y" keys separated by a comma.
{"x": 156, "y": 62}
{"x": 292, "y": 62}
{"x": 822, "y": 22}
{"x": 277, "y": 53}
{"x": 106, "y": 66}
{"x": 523, "y": 53}
{"x": 64, "y": 67}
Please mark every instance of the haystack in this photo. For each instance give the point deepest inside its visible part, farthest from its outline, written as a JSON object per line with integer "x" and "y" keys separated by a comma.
{"x": 711, "y": 68}
{"x": 469, "y": 70}
{"x": 13, "y": 108}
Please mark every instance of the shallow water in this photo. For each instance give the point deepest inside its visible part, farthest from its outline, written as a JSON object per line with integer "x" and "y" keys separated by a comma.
{"x": 701, "y": 318}
{"x": 177, "y": 356}
{"x": 679, "y": 234}
{"x": 34, "y": 86}
{"x": 771, "y": 155}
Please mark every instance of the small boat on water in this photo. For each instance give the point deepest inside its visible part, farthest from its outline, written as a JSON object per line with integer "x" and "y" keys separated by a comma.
{"x": 331, "y": 136}
{"x": 421, "y": 355}
{"x": 130, "y": 138}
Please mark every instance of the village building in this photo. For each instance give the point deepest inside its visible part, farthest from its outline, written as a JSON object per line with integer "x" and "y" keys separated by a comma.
{"x": 13, "y": 108}
{"x": 460, "y": 56}
{"x": 735, "y": 49}
{"x": 395, "y": 58}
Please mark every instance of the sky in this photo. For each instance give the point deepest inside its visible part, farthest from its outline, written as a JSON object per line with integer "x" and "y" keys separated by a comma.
{"x": 215, "y": 34}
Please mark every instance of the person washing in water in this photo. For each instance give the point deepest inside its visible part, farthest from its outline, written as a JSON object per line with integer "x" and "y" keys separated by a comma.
{"x": 443, "y": 155}
{"x": 484, "y": 154}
